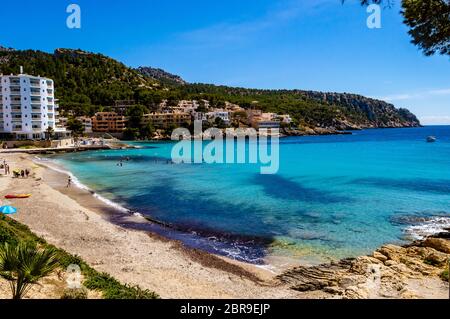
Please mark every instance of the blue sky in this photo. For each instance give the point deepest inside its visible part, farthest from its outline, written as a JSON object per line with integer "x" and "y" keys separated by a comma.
{"x": 305, "y": 44}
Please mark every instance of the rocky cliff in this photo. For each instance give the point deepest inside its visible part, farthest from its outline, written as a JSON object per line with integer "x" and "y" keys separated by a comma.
{"x": 160, "y": 75}
{"x": 378, "y": 113}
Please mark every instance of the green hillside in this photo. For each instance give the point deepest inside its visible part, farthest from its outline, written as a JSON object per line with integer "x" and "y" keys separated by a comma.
{"x": 87, "y": 83}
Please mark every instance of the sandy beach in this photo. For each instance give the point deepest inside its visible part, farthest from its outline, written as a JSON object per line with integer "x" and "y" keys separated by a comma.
{"x": 74, "y": 220}
{"x": 140, "y": 258}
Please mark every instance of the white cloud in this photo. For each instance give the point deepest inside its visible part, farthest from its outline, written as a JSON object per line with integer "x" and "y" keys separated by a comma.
{"x": 440, "y": 92}
{"x": 415, "y": 95}
{"x": 435, "y": 120}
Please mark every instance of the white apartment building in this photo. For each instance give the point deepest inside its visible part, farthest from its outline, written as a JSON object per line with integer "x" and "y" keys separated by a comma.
{"x": 27, "y": 107}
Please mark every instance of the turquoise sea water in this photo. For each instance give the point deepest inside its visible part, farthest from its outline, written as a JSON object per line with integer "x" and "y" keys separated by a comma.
{"x": 333, "y": 197}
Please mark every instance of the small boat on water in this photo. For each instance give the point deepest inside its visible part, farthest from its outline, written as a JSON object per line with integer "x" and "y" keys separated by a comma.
{"x": 18, "y": 196}
{"x": 431, "y": 139}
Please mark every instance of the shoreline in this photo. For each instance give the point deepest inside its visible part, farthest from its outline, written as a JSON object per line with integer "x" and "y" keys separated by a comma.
{"x": 256, "y": 249}
{"x": 125, "y": 217}
{"x": 77, "y": 222}
{"x": 81, "y": 224}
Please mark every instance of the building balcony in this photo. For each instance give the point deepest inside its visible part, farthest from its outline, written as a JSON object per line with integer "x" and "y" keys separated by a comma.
{"x": 35, "y": 83}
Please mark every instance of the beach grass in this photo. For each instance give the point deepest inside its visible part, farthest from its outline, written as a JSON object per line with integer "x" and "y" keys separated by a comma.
{"x": 14, "y": 232}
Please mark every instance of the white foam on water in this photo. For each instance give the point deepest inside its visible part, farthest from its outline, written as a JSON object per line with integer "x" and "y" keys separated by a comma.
{"x": 76, "y": 182}
{"x": 427, "y": 228}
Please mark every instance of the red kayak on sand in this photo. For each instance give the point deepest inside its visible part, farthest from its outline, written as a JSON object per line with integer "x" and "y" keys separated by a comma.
{"x": 18, "y": 196}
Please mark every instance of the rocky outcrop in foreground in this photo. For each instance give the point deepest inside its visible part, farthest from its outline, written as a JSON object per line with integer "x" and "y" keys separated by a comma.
{"x": 418, "y": 270}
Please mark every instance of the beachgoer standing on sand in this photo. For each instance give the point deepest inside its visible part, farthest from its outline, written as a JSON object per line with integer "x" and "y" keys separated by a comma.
{"x": 69, "y": 181}
{"x": 27, "y": 172}
{"x": 22, "y": 173}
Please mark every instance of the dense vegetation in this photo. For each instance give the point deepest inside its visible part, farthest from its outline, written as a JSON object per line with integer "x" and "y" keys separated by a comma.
{"x": 13, "y": 232}
{"x": 87, "y": 83}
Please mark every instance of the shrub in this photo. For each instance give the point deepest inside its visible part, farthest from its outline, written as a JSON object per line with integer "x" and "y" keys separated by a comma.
{"x": 112, "y": 289}
{"x": 444, "y": 275}
{"x": 66, "y": 259}
{"x": 6, "y": 236}
{"x": 24, "y": 264}
{"x": 75, "y": 294}
{"x": 432, "y": 261}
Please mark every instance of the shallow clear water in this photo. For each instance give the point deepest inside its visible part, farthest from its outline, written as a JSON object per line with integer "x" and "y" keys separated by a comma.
{"x": 334, "y": 196}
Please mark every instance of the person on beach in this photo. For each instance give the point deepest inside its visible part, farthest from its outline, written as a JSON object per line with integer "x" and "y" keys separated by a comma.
{"x": 22, "y": 173}
{"x": 27, "y": 172}
{"x": 7, "y": 171}
{"x": 69, "y": 181}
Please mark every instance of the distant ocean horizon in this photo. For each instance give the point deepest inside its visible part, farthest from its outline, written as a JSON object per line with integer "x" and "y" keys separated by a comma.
{"x": 334, "y": 196}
